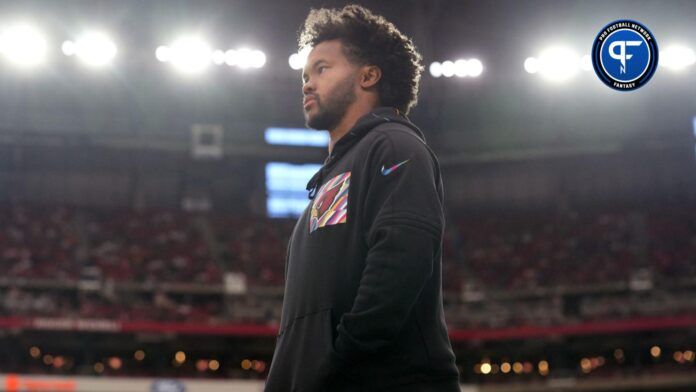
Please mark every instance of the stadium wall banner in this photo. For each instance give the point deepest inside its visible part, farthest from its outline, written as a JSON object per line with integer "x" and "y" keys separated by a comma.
{"x": 634, "y": 324}
{"x": 116, "y": 326}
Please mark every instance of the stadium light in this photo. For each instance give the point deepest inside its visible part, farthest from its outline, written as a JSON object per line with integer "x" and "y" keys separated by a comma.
{"x": 23, "y": 45}
{"x": 298, "y": 60}
{"x": 231, "y": 57}
{"x": 295, "y": 61}
{"x": 93, "y": 48}
{"x": 180, "y": 357}
{"x": 460, "y": 68}
{"x": 555, "y": 64}
{"x": 189, "y": 54}
{"x": 505, "y": 367}
{"x": 558, "y": 64}
{"x": 218, "y": 57}
{"x": 247, "y": 58}
{"x": 258, "y": 59}
{"x": 531, "y": 65}
{"x": 655, "y": 351}
{"x": 68, "y": 48}
{"x": 475, "y": 68}
{"x": 435, "y": 69}
{"x": 448, "y": 69}
{"x": 163, "y": 53}
{"x": 244, "y": 58}
{"x": 677, "y": 57}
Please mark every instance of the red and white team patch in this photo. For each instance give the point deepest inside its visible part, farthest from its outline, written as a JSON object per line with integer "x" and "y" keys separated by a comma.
{"x": 330, "y": 205}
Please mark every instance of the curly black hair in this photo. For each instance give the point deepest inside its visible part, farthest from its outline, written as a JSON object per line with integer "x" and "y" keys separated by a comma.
{"x": 369, "y": 39}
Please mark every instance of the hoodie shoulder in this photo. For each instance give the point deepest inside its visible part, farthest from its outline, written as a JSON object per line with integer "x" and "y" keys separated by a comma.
{"x": 393, "y": 141}
{"x": 398, "y": 137}
{"x": 395, "y": 130}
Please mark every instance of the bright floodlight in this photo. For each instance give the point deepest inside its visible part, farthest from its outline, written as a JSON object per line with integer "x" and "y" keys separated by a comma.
{"x": 435, "y": 69}
{"x": 163, "y": 53}
{"x": 447, "y": 69}
{"x": 586, "y": 63}
{"x": 93, "y": 49}
{"x": 298, "y": 60}
{"x": 558, "y": 64}
{"x": 23, "y": 45}
{"x": 247, "y": 58}
{"x": 463, "y": 68}
{"x": 531, "y": 65}
{"x": 474, "y": 67}
{"x": 218, "y": 57}
{"x": 68, "y": 48}
{"x": 677, "y": 57}
{"x": 231, "y": 57}
{"x": 244, "y": 58}
{"x": 190, "y": 55}
{"x": 295, "y": 61}
{"x": 258, "y": 59}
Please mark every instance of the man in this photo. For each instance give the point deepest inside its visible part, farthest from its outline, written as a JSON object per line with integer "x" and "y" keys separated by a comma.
{"x": 363, "y": 297}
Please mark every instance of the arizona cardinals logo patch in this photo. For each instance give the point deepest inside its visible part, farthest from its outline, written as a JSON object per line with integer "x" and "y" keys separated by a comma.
{"x": 330, "y": 205}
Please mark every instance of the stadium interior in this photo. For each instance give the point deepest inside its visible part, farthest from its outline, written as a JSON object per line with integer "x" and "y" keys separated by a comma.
{"x": 147, "y": 196}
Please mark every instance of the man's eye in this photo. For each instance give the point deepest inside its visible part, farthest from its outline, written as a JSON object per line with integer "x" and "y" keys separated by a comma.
{"x": 321, "y": 69}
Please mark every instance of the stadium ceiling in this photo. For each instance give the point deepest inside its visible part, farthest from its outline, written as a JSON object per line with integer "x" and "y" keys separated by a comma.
{"x": 523, "y": 66}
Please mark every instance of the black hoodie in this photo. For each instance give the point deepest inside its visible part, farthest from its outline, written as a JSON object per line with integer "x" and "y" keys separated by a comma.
{"x": 363, "y": 296}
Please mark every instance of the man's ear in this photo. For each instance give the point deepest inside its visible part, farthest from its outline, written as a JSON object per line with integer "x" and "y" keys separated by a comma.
{"x": 369, "y": 76}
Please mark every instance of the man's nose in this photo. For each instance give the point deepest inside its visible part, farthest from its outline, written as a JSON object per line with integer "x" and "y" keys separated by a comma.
{"x": 307, "y": 88}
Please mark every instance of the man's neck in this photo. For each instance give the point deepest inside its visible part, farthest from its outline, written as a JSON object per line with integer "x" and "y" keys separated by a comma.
{"x": 353, "y": 113}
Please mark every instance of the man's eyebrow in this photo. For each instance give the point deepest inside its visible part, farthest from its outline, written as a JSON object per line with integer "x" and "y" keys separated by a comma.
{"x": 318, "y": 62}
{"x": 315, "y": 65}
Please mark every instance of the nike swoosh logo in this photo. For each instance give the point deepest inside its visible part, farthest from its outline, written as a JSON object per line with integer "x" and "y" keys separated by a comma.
{"x": 386, "y": 171}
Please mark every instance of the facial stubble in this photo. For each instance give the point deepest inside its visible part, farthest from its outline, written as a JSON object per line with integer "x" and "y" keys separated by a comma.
{"x": 332, "y": 109}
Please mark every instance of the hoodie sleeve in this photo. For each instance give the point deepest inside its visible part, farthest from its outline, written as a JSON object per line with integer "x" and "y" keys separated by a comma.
{"x": 403, "y": 216}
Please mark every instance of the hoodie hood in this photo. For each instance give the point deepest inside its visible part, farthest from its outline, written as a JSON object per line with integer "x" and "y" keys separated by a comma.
{"x": 364, "y": 124}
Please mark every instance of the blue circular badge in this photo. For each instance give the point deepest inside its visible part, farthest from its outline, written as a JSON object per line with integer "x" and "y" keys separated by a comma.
{"x": 624, "y": 55}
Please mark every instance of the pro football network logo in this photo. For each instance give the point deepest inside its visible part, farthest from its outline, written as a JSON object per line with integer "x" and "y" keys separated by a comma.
{"x": 624, "y": 55}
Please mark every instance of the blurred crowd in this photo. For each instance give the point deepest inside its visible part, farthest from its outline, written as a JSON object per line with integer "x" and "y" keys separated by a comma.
{"x": 61, "y": 261}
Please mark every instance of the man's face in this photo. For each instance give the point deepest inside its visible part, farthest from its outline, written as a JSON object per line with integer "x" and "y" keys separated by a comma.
{"x": 328, "y": 85}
